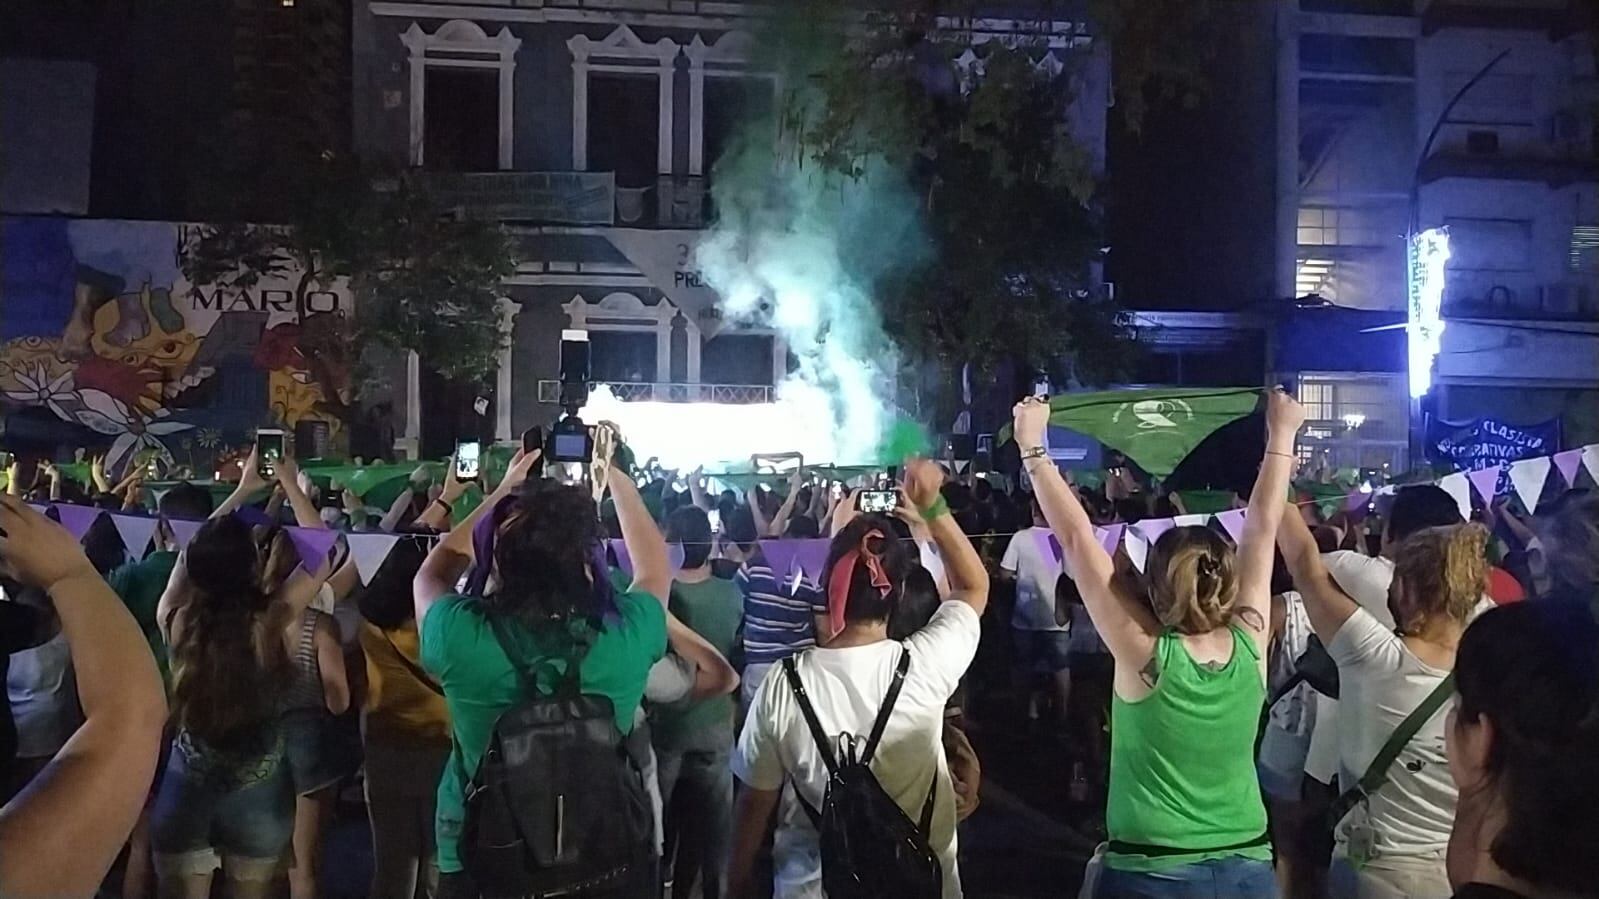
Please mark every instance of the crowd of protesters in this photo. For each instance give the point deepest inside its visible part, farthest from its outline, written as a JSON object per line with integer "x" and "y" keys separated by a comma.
{"x": 1379, "y": 704}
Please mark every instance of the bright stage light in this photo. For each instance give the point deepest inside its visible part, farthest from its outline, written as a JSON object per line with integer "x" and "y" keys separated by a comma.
{"x": 1428, "y": 252}
{"x": 687, "y": 435}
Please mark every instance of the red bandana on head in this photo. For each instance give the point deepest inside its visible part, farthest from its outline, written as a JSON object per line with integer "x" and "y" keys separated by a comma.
{"x": 844, "y": 571}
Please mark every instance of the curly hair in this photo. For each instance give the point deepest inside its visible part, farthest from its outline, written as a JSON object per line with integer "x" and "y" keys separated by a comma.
{"x": 222, "y": 690}
{"x": 542, "y": 555}
{"x": 1443, "y": 571}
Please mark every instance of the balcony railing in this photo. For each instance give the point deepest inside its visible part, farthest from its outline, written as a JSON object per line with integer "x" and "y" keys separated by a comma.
{"x": 727, "y": 394}
{"x": 573, "y": 198}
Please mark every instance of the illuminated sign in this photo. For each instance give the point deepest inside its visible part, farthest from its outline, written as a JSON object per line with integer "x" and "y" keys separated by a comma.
{"x": 1428, "y": 252}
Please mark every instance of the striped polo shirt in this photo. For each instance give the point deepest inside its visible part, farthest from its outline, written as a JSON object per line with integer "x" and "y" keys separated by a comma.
{"x": 778, "y": 615}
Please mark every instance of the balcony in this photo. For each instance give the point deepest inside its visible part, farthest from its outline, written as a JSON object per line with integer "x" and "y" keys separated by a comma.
{"x": 572, "y": 198}
{"x": 726, "y": 394}
{"x": 1469, "y": 295}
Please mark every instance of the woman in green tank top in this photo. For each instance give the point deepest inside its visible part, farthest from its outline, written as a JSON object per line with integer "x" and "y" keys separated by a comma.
{"x": 1185, "y": 815}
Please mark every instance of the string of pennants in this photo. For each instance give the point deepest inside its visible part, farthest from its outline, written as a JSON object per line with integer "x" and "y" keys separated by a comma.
{"x": 787, "y": 557}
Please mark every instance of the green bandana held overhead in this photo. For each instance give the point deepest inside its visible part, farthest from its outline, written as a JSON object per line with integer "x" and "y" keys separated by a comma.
{"x": 1155, "y": 428}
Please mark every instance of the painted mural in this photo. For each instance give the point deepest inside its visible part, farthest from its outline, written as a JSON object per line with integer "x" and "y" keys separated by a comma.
{"x": 100, "y": 329}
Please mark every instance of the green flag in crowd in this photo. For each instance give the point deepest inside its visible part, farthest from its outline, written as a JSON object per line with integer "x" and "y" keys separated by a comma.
{"x": 1155, "y": 428}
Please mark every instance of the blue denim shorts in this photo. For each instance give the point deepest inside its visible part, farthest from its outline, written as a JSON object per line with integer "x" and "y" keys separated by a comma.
{"x": 1219, "y": 878}
{"x": 210, "y": 805}
{"x": 314, "y": 749}
{"x": 1042, "y": 652}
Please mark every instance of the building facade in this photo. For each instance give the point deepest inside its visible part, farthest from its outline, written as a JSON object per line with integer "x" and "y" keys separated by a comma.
{"x": 592, "y": 128}
{"x": 1398, "y": 116}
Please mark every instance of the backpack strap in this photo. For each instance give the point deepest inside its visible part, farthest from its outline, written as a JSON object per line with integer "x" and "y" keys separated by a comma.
{"x": 887, "y": 707}
{"x": 1377, "y": 772}
{"x": 416, "y": 672}
{"x": 809, "y": 712}
{"x": 570, "y": 683}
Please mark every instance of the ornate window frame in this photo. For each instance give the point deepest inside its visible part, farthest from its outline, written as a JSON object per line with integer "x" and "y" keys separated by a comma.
{"x": 730, "y": 57}
{"x": 621, "y": 311}
{"x": 627, "y": 54}
{"x": 461, "y": 44}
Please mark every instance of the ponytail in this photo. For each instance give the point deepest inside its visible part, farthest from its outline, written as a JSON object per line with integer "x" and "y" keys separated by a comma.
{"x": 1444, "y": 570}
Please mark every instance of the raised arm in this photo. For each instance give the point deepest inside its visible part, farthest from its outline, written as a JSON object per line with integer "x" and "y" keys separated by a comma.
{"x": 1284, "y": 415}
{"x": 968, "y": 578}
{"x": 1127, "y": 627}
{"x": 448, "y": 560}
{"x": 652, "y": 568}
{"x": 786, "y": 511}
{"x": 752, "y": 496}
{"x": 305, "y": 513}
{"x": 696, "y": 489}
{"x": 1327, "y": 605}
{"x": 62, "y": 834}
{"x": 391, "y": 518}
{"x": 250, "y": 483}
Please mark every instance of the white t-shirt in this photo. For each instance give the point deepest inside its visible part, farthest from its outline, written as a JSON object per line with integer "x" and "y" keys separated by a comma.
{"x": 1365, "y": 578}
{"x": 847, "y": 686}
{"x": 1036, "y": 572}
{"x": 43, "y": 692}
{"x": 1384, "y": 682}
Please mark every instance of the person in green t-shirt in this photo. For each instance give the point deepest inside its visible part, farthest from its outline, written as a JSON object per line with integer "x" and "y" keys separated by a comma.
{"x": 542, "y": 584}
{"x": 1184, "y": 814}
{"x": 141, "y": 582}
{"x": 694, "y": 738}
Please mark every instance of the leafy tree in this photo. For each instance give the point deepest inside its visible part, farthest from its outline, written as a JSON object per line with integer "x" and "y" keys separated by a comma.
{"x": 421, "y": 279}
{"x": 1008, "y": 194}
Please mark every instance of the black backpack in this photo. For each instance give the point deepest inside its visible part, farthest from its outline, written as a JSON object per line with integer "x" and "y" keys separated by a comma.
{"x": 870, "y": 848}
{"x": 557, "y": 805}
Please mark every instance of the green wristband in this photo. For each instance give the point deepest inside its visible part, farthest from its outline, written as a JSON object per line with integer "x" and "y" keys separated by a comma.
{"x": 938, "y": 509}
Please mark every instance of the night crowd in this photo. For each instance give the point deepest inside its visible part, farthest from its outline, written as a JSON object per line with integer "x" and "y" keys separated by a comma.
{"x": 1385, "y": 702}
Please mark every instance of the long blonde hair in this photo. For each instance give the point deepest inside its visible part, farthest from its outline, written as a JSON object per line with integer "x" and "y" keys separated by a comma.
{"x": 1443, "y": 571}
{"x": 1193, "y": 582}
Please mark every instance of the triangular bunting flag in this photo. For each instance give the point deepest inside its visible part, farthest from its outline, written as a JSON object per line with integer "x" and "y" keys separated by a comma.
{"x": 183, "y": 531}
{"x": 1232, "y": 521}
{"x": 1048, "y": 545}
{"x": 1151, "y": 528}
{"x": 674, "y": 557}
{"x": 1486, "y": 480}
{"x": 77, "y": 519}
{"x": 1110, "y": 537}
{"x": 811, "y": 557}
{"x": 1458, "y": 487}
{"x": 136, "y": 531}
{"x": 780, "y": 556}
{"x": 1590, "y": 460}
{"x": 252, "y": 516}
{"x": 1527, "y": 477}
{"x": 1190, "y": 521}
{"x": 368, "y": 552}
{"x": 1566, "y": 463}
{"x": 40, "y": 507}
{"x": 1137, "y": 549}
{"x": 313, "y": 545}
{"x": 624, "y": 559}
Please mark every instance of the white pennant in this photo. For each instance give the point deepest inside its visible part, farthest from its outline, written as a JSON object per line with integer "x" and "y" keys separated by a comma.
{"x": 1191, "y": 521}
{"x": 136, "y": 531}
{"x": 1137, "y": 549}
{"x": 368, "y": 552}
{"x": 1458, "y": 486}
{"x": 1527, "y": 478}
{"x": 1590, "y": 460}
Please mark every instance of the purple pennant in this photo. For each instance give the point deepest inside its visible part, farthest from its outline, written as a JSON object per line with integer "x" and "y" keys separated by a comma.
{"x": 1486, "y": 480}
{"x": 811, "y": 556}
{"x": 1357, "y": 499}
{"x": 674, "y": 557}
{"x": 780, "y": 556}
{"x": 1110, "y": 537}
{"x": 1152, "y": 528}
{"x": 252, "y": 516}
{"x": 624, "y": 559}
{"x": 77, "y": 519}
{"x": 1232, "y": 521}
{"x": 1048, "y": 544}
{"x": 1567, "y": 462}
{"x": 313, "y": 545}
{"x": 183, "y": 531}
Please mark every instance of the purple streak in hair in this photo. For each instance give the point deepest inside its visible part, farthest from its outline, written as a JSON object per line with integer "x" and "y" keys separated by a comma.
{"x": 483, "y": 534}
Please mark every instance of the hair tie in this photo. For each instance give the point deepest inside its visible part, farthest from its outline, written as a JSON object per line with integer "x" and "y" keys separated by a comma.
{"x": 1208, "y": 566}
{"x": 844, "y": 571}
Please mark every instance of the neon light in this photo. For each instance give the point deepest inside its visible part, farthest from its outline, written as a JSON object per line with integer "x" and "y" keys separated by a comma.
{"x": 1428, "y": 252}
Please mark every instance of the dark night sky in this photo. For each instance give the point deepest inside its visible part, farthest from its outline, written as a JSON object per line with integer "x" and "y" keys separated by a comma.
{"x": 1190, "y": 198}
